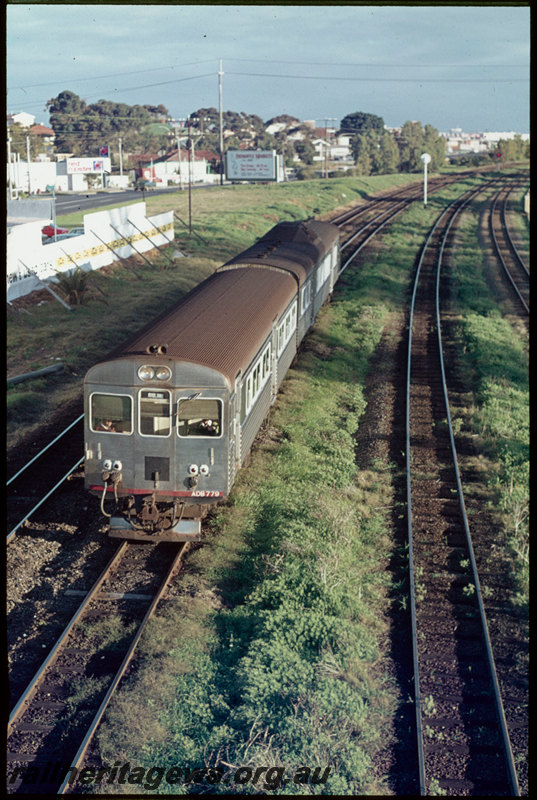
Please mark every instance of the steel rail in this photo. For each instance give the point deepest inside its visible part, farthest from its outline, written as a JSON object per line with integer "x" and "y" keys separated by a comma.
{"x": 502, "y": 722}
{"x": 29, "y": 514}
{"x": 81, "y": 752}
{"x": 511, "y": 771}
{"x": 500, "y": 256}
{"x": 508, "y": 234}
{"x": 44, "y": 449}
{"x": 397, "y": 211}
{"x": 31, "y": 689}
{"x": 412, "y": 577}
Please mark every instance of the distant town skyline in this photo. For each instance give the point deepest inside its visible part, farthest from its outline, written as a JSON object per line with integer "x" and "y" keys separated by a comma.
{"x": 452, "y": 67}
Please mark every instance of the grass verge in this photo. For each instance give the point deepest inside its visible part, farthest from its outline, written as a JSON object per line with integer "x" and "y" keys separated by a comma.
{"x": 272, "y": 657}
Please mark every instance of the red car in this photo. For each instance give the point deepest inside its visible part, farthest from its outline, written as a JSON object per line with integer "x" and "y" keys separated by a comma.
{"x": 48, "y": 230}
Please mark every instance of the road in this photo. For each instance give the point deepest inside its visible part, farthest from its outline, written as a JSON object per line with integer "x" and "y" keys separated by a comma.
{"x": 72, "y": 203}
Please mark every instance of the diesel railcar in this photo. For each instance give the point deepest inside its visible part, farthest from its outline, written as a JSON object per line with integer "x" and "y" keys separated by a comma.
{"x": 171, "y": 415}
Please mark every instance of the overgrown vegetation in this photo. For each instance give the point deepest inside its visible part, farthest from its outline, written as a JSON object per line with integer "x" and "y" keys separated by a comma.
{"x": 272, "y": 654}
{"x": 496, "y": 357}
{"x": 224, "y": 221}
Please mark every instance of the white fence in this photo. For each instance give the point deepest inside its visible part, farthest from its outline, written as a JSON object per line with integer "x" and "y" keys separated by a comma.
{"x": 108, "y": 235}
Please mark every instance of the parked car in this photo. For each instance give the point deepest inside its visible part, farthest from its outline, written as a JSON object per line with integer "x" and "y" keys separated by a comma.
{"x": 143, "y": 184}
{"x": 48, "y": 230}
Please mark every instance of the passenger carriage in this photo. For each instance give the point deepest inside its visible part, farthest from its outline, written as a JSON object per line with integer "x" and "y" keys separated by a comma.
{"x": 172, "y": 415}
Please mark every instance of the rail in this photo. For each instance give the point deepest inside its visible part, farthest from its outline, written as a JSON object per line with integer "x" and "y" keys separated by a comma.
{"x": 454, "y": 209}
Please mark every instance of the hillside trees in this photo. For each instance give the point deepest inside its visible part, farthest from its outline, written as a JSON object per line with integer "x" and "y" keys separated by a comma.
{"x": 80, "y": 128}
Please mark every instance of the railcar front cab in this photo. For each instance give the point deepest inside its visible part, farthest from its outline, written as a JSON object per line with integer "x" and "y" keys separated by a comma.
{"x": 156, "y": 442}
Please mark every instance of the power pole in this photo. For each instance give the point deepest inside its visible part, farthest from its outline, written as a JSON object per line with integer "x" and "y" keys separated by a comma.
{"x": 120, "y": 158}
{"x": 220, "y": 74}
{"x": 9, "y": 164}
{"x": 28, "y": 160}
{"x": 189, "y": 145}
{"x": 179, "y": 158}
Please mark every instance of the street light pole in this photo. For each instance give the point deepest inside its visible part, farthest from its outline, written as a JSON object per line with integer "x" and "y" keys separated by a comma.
{"x": 426, "y": 158}
{"x": 220, "y": 73}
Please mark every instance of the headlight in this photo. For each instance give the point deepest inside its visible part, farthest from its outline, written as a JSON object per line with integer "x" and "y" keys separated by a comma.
{"x": 146, "y": 373}
{"x": 107, "y": 464}
{"x": 193, "y": 469}
{"x": 117, "y": 465}
{"x": 163, "y": 373}
{"x": 204, "y": 469}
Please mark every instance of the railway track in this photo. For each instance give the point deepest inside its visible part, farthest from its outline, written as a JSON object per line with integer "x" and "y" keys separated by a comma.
{"x": 384, "y": 211}
{"x": 462, "y": 735}
{"x": 55, "y": 718}
{"x": 36, "y": 481}
{"x": 32, "y": 484}
{"x": 514, "y": 267}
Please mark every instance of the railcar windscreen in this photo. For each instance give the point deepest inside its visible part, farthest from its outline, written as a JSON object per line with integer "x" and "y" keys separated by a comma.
{"x": 155, "y": 413}
{"x": 201, "y": 417}
{"x": 111, "y": 413}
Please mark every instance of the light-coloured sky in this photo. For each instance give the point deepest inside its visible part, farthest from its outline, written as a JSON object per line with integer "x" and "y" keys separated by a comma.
{"x": 465, "y": 66}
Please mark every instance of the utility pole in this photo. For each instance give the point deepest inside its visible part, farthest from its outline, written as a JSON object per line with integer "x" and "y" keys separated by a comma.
{"x": 28, "y": 160}
{"x": 326, "y": 121}
{"x": 9, "y": 164}
{"x": 220, "y": 74}
{"x": 120, "y": 158}
{"x": 189, "y": 145}
{"x": 179, "y": 158}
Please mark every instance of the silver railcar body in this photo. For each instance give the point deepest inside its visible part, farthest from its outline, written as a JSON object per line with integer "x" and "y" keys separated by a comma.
{"x": 171, "y": 416}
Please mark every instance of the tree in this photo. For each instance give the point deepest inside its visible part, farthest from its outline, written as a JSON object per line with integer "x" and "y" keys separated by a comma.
{"x": 515, "y": 149}
{"x": 375, "y": 153}
{"x": 415, "y": 140}
{"x": 65, "y": 112}
{"x": 388, "y": 154}
{"x": 362, "y": 148}
{"x": 82, "y": 128}
{"x": 360, "y": 122}
{"x": 305, "y": 151}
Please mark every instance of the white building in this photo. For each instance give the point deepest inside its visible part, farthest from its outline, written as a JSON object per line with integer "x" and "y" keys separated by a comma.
{"x": 22, "y": 118}
{"x": 457, "y": 141}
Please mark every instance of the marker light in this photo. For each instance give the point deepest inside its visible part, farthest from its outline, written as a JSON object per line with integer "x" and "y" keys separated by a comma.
{"x": 163, "y": 373}
{"x": 146, "y": 373}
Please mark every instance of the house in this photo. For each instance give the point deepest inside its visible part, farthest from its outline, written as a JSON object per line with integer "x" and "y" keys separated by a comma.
{"x": 170, "y": 169}
{"x": 45, "y": 135}
{"x": 21, "y": 118}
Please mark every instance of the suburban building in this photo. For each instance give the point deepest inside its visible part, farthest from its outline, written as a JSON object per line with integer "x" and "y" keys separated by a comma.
{"x": 21, "y": 118}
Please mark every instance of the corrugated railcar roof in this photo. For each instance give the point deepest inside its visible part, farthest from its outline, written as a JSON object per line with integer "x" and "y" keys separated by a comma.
{"x": 289, "y": 246}
{"x": 222, "y": 323}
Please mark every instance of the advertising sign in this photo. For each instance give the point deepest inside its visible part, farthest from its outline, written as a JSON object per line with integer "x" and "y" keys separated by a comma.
{"x": 88, "y": 165}
{"x": 251, "y": 165}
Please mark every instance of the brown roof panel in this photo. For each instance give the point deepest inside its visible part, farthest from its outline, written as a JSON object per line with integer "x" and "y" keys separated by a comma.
{"x": 289, "y": 246}
{"x": 222, "y": 323}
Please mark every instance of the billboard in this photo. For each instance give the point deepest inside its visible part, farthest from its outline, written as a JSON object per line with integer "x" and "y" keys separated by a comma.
{"x": 75, "y": 165}
{"x": 251, "y": 165}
